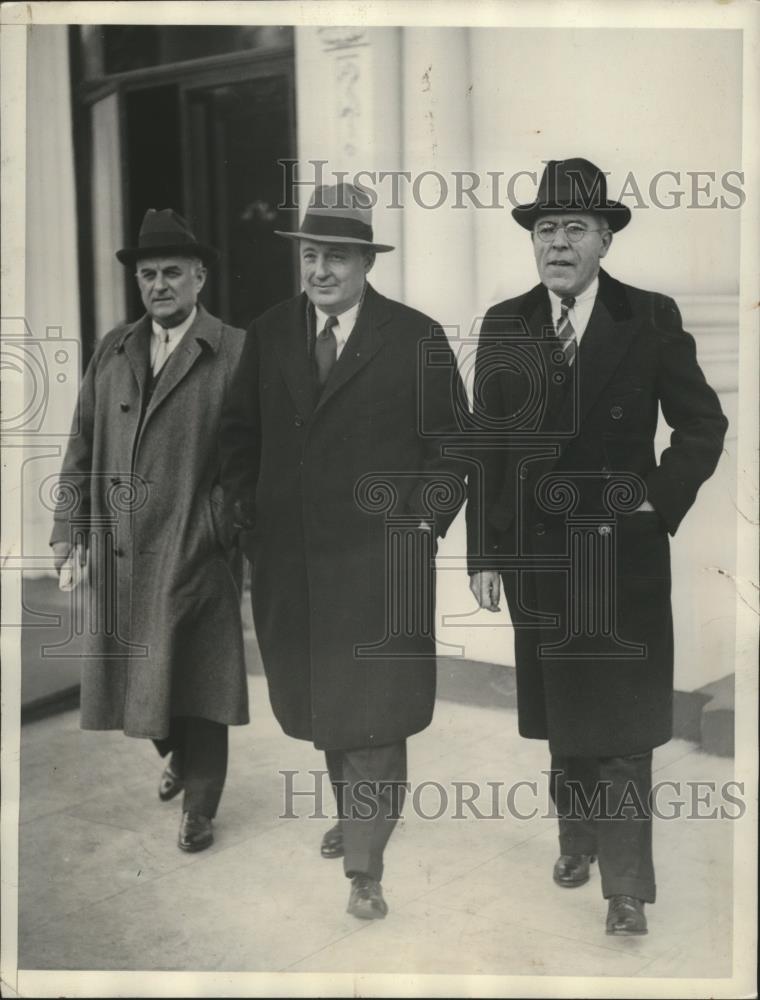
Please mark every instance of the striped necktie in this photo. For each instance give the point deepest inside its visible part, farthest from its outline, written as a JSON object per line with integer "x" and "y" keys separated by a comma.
{"x": 326, "y": 350}
{"x": 566, "y": 331}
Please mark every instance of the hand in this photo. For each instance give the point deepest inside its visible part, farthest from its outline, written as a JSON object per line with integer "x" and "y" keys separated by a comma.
{"x": 486, "y": 587}
{"x": 425, "y": 526}
{"x": 61, "y": 552}
{"x": 645, "y": 506}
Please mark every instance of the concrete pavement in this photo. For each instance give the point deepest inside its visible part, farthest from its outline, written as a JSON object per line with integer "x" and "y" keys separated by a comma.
{"x": 103, "y": 885}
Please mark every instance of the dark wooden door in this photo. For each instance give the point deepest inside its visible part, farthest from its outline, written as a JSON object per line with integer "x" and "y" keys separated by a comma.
{"x": 235, "y": 134}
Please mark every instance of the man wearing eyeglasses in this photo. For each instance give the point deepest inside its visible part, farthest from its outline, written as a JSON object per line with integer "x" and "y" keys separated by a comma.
{"x": 571, "y": 512}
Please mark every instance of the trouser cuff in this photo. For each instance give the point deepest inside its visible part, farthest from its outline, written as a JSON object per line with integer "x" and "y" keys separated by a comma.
{"x": 363, "y": 864}
{"x": 638, "y": 888}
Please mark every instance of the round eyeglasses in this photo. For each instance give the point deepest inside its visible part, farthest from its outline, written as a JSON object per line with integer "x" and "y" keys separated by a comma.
{"x": 574, "y": 231}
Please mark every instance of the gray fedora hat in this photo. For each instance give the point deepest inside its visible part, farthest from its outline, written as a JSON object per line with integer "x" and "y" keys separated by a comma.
{"x": 338, "y": 213}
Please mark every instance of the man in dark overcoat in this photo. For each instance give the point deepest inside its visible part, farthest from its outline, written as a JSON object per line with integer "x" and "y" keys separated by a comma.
{"x": 142, "y": 506}
{"x": 333, "y": 457}
{"x": 571, "y": 511}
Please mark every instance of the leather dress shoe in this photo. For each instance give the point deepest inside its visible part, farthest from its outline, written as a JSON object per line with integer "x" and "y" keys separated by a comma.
{"x": 626, "y": 916}
{"x": 171, "y": 784}
{"x": 366, "y": 900}
{"x": 332, "y": 843}
{"x": 571, "y": 870}
{"x": 195, "y": 833}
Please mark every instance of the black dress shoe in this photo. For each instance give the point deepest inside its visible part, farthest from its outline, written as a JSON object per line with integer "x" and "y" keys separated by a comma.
{"x": 366, "y": 900}
{"x": 571, "y": 870}
{"x": 195, "y": 833}
{"x": 171, "y": 784}
{"x": 332, "y": 843}
{"x": 626, "y": 916}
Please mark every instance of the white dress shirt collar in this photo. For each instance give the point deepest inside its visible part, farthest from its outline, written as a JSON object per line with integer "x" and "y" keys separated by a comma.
{"x": 176, "y": 333}
{"x": 581, "y": 311}
{"x": 346, "y": 323}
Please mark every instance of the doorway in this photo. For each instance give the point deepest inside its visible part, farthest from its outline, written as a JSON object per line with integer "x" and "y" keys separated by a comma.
{"x": 207, "y": 145}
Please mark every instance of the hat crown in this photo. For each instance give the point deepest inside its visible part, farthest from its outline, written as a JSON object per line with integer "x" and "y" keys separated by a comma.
{"x": 341, "y": 201}
{"x": 161, "y": 227}
{"x": 164, "y": 233}
{"x": 575, "y": 183}
{"x": 338, "y": 211}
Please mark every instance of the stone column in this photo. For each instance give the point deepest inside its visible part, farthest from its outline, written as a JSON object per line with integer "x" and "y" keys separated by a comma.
{"x": 349, "y": 118}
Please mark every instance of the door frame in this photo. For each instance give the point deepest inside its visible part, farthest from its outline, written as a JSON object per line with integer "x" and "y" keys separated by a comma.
{"x": 249, "y": 64}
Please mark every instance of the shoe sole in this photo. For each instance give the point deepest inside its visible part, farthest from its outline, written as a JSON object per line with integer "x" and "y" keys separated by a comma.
{"x": 330, "y": 854}
{"x": 571, "y": 885}
{"x": 373, "y": 915}
{"x": 194, "y": 848}
{"x": 622, "y": 933}
{"x": 168, "y": 796}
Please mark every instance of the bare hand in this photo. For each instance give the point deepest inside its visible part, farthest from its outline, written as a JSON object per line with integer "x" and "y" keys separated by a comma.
{"x": 61, "y": 552}
{"x": 486, "y": 588}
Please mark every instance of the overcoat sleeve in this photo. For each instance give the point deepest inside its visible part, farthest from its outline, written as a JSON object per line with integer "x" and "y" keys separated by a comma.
{"x": 240, "y": 436}
{"x": 441, "y": 490}
{"x": 691, "y": 408}
{"x": 485, "y": 484}
{"x": 74, "y": 482}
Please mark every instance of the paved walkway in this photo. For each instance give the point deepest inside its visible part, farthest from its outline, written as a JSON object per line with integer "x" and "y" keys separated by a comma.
{"x": 103, "y": 885}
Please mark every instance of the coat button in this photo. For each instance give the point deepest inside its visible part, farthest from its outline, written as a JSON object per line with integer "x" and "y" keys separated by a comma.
{"x": 124, "y": 407}
{"x": 604, "y": 529}
{"x": 523, "y": 473}
{"x": 616, "y": 412}
{"x": 540, "y": 529}
{"x": 298, "y": 421}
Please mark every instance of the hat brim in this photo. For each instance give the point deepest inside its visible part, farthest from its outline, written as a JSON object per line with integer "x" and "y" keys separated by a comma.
{"x": 377, "y": 247}
{"x": 130, "y": 255}
{"x": 618, "y": 216}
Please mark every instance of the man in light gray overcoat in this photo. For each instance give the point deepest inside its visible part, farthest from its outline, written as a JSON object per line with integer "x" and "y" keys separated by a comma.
{"x": 139, "y": 490}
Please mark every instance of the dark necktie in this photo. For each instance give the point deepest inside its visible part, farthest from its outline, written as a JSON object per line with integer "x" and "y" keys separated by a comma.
{"x": 566, "y": 331}
{"x": 325, "y": 350}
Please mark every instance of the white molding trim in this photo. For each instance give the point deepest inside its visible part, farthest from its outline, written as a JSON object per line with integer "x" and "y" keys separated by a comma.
{"x": 713, "y": 321}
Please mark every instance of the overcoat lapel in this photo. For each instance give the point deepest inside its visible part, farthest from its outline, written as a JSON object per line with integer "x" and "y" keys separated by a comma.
{"x": 365, "y": 341}
{"x": 136, "y": 346}
{"x": 605, "y": 342}
{"x": 603, "y": 345}
{"x": 205, "y": 333}
{"x": 293, "y": 352}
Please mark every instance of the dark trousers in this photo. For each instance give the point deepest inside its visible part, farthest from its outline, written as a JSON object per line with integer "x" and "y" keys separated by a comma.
{"x": 199, "y": 755}
{"x": 603, "y": 807}
{"x": 369, "y": 786}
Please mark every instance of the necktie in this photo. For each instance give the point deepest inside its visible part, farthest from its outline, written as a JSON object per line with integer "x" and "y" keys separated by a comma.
{"x": 566, "y": 331}
{"x": 162, "y": 352}
{"x": 325, "y": 350}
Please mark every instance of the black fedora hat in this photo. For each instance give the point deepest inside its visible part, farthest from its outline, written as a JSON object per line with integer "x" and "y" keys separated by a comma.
{"x": 338, "y": 213}
{"x": 574, "y": 185}
{"x": 164, "y": 233}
